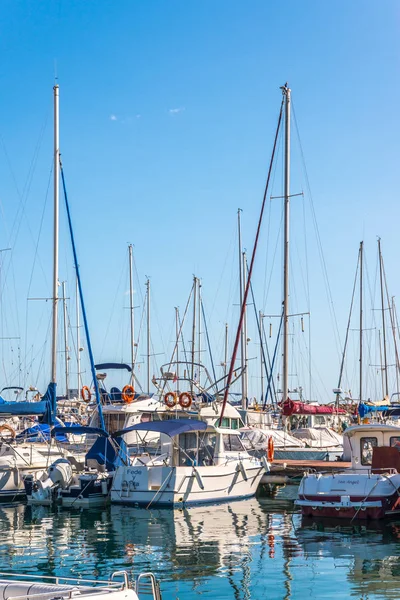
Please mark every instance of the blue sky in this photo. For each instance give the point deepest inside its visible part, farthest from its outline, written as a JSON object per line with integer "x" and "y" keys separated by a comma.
{"x": 168, "y": 111}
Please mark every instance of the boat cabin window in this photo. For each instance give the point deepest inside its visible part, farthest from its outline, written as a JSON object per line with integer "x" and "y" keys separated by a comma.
{"x": 395, "y": 442}
{"x": 232, "y": 443}
{"x": 227, "y": 423}
{"x": 366, "y": 446}
{"x": 191, "y": 454}
{"x": 114, "y": 422}
{"x": 145, "y": 418}
{"x": 319, "y": 420}
{"x": 207, "y": 443}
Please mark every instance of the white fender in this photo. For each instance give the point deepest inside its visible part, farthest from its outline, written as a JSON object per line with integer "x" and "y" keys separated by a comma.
{"x": 265, "y": 464}
{"x": 199, "y": 479}
{"x": 240, "y": 467}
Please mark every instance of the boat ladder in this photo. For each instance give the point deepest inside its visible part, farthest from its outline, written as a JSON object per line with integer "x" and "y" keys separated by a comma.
{"x": 147, "y": 586}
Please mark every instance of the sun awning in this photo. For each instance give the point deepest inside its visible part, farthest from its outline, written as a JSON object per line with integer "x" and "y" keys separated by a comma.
{"x": 78, "y": 430}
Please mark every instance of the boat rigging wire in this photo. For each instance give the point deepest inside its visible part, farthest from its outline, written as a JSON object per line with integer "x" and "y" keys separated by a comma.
{"x": 208, "y": 339}
{"x": 319, "y": 243}
{"x": 246, "y": 291}
{"x": 89, "y": 345}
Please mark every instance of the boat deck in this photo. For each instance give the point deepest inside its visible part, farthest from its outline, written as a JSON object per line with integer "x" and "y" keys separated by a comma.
{"x": 291, "y": 471}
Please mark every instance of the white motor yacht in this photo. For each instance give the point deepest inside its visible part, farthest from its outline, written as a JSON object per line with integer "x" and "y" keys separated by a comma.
{"x": 195, "y": 462}
{"x": 370, "y": 489}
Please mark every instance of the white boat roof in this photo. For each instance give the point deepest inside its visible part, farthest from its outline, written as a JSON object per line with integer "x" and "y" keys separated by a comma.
{"x": 360, "y": 430}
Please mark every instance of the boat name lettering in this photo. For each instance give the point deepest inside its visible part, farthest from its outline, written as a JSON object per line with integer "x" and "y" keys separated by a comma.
{"x": 134, "y": 471}
{"x": 350, "y": 481}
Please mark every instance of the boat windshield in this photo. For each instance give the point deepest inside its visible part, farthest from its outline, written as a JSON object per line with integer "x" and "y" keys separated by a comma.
{"x": 233, "y": 443}
{"x": 192, "y": 454}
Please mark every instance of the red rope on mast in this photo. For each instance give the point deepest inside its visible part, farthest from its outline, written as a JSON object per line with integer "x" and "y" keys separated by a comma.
{"x": 242, "y": 309}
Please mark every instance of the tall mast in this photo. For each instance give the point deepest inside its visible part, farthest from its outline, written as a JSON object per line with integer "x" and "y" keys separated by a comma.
{"x": 177, "y": 340}
{"x": 386, "y": 390}
{"x": 242, "y": 351}
{"x": 393, "y": 321}
{"x": 65, "y": 341}
{"x": 286, "y": 93}
{"x": 199, "y": 329}
{"x": 361, "y": 317}
{"x": 261, "y": 319}
{"x": 131, "y": 311}
{"x": 55, "y": 241}
{"x": 194, "y": 329}
{"x": 244, "y": 376}
{"x": 226, "y": 349}
{"x": 148, "y": 334}
{"x": 78, "y": 339}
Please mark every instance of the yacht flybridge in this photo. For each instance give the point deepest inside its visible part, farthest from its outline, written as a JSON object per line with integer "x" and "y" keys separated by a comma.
{"x": 370, "y": 489}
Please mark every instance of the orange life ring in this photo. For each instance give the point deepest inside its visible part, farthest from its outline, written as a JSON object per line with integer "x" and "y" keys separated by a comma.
{"x": 128, "y": 393}
{"x": 8, "y": 428}
{"x": 170, "y": 399}
{"x": 270, "y": 450}
{"x": 185, "y": 400}
{"x": 86, "y": 394}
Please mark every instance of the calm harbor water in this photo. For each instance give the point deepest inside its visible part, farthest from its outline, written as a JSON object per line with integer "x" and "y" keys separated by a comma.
{"x": 251, "y": 549}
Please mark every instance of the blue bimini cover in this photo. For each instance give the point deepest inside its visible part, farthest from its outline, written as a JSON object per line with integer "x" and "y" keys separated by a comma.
{"x": 364, "y": 409}
{"x": 171, "y": 427}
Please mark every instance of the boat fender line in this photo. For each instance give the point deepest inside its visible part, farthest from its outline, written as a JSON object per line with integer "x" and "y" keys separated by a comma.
{"x": 170, "y": 399}
{"x": 185, "y": 400}
{"x": 198, "y": 477}
{"x": 86, "y": 394}
{"x": 128, "y": 394}
{"x": 265, "y": 464}
{"x": 240, "y": 467}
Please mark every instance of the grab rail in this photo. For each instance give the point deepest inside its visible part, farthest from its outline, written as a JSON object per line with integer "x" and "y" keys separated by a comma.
{"x": 149, "y": 586}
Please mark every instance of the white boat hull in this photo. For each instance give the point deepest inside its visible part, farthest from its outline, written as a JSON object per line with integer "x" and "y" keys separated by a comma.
{"x": 169, "y": 486}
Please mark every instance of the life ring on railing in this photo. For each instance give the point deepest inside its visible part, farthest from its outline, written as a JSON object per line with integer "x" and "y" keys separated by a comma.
{"x": 128, "y": 393}
{"x": 170, "y": 399}
{"x": 8, "y": 428}
{"x": 86, "y": 394}
{"x": 270, "y": 449}
{"x": 185, "y": 400}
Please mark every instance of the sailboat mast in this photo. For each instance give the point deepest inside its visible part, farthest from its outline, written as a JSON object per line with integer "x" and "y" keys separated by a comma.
{"x": 383, "y": 319}
{"x": 55, "y": 240}
{"x": 244, "y": 376}
{"x": 193, "y": 329}
{"x": 286, "y": 93}
{"x": 78, "y": 338}
{"x": 148, "y": 334}
{"x": 131, "y": 310}
{"x": 261, "y": 321}
{"x": 361, "y": 318}
{"x": 226, "y": 349}
{"x": 177, "y": 340}
{"x": 242, "y": 363}
{"x": 199, "y": 330}
{"x": 65, "y": 341}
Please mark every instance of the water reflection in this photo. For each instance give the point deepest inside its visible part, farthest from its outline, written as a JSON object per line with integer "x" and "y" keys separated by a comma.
{"x": 371, "y": 548}
{"x": 244, "y": 550}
